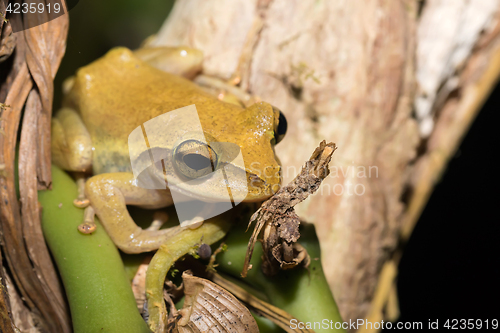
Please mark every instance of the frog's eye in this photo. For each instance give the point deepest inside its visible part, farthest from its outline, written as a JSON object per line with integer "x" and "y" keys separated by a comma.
{"x": 280, "y": 130}
{"x": 194, "y": 158}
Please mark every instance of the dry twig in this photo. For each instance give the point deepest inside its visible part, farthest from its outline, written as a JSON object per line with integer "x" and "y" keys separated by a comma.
{"x": 278, "y": 219}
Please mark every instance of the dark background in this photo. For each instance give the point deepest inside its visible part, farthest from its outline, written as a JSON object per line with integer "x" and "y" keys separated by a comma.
{"x": 96, "y": 26}
{"x": 450, "y": 267}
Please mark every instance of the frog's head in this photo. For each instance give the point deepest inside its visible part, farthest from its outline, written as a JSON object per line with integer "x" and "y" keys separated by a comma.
{"x": 229, "y": 155}
{"x": 245, "y": 145}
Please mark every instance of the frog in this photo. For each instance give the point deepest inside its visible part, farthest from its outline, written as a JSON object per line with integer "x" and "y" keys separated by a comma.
{"x": 118, "y": 93}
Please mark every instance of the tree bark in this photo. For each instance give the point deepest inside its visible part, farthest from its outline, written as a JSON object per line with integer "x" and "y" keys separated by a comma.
{"x": 394, "y": 83}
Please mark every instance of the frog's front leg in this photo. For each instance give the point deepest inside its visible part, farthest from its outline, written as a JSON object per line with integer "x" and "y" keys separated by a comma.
{"x": 109, "y": 195}
{"x": 71, "y": 144}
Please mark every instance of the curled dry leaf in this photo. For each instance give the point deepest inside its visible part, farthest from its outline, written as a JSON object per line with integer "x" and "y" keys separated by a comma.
{"x": 279, "y": 221}
{"x": 209, "y": 308}
{"x": 271, "y": 312}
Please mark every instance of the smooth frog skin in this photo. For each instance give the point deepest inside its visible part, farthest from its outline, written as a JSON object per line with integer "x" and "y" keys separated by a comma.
{"x": 111, "y": 97}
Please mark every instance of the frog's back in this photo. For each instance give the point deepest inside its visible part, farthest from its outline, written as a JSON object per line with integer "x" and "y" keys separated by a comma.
{"x": 119, "y": 92}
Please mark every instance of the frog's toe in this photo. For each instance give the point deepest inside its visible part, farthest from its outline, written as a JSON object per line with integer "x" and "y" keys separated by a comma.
{"x": 88, "y": 226}
{"x": 194, "y": 223}
{"x": 81, "y": 203}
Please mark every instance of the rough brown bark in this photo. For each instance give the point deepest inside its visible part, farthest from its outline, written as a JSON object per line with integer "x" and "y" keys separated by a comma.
{"x": 350, "y": 72}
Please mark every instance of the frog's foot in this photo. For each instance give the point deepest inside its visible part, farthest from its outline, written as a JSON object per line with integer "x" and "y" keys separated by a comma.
{"x": 110, "y": 193}
{"x": 226, "y": 91}
{"x": 81, "y": 201}
{"x": 159, "y": 218}
{"x": 88, "y": 226}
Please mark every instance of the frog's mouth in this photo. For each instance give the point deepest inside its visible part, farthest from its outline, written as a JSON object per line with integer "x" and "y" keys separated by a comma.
{"x": 226, "y": 184}
{"x": 208, "y": 196}
{"x": 205, "y": 196}
{"x": 202, "y": 198}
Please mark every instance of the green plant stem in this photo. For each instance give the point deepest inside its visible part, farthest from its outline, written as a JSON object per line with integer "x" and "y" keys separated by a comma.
{"x": 98, "y": 291}
{"x": 266, "y": 325}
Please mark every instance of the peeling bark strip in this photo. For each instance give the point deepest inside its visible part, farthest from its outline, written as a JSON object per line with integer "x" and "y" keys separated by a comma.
{"x": 344, "y": 71}
{"x": 279, "y": 221}
{"x": 49, "y": 40}
{"x": 30, "y": 215}
{"x": 38, "y": 53}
